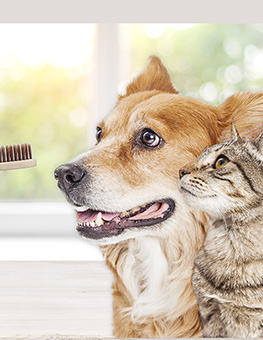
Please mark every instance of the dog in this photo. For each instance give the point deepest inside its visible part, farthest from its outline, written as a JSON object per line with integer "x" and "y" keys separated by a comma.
{"x": 125, "y": 194}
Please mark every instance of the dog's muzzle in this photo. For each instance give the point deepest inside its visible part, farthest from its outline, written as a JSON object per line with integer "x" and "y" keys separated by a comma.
{"x": 96, "y": 223}
{"x": 69, "y": 176}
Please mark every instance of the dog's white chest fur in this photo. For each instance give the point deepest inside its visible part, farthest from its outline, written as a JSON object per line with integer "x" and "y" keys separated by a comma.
{"x": 144, "y": 272}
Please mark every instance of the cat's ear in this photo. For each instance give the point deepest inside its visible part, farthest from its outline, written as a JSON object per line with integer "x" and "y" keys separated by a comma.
{"x": 235, "y": 135}
{"x": 153, "y": 77}
{"x": 246, "y": 109}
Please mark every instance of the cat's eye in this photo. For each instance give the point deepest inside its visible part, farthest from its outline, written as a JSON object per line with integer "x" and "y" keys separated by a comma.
{"x": 98, "y": 133}
{"x": 220, "y": 161}
{"x": 150, "y": 138}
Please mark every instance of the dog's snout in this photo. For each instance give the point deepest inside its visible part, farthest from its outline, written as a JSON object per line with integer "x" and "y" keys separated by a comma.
{"x": 69, "y": 175}
{"x": 183, "y": 172}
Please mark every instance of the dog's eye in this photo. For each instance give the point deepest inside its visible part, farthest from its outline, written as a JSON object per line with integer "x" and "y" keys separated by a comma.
{"x": 98, "y": 133}
{"x": 150, "y": 138}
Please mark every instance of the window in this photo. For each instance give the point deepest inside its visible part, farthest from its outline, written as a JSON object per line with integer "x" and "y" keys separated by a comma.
{"x": 207, "y": 61}
{"x": 45, "y": 96}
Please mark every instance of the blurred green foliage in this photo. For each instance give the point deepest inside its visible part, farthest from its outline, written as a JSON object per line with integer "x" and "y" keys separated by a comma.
{"x": 48, "y": 108}
{"x": 39, "y": 109}
{"x": 207, "y": 61}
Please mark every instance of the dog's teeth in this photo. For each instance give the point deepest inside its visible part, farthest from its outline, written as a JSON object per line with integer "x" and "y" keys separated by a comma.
{"x": 81, "y": 209}
{"x": 92, "y": 224}
{"x": 134, "y": 210}
{"x": 124, "y": 214}
{"x": 99, "y": 221}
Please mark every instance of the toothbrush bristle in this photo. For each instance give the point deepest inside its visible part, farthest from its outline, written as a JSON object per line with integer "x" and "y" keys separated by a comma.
{"x": 18, "y": 152}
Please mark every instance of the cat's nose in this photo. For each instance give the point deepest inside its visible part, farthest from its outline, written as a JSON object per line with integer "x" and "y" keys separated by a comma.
{"x": 183, "y": 172}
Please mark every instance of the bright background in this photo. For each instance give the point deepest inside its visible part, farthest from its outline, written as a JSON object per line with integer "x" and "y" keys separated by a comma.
{"x": 47, "y": 78}
{"x": 58, "y": 80}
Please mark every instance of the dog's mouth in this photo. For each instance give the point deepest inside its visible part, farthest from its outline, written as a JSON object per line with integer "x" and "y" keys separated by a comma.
{"x": 96, "y": 224}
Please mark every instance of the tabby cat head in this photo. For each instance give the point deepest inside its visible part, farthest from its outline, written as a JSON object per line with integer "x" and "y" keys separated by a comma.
{"x": 225, "y": 177}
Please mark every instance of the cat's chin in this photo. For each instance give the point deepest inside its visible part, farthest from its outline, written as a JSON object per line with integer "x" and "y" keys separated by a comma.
{"x": 210, "y": 207}
{"x": 193, "y": 200}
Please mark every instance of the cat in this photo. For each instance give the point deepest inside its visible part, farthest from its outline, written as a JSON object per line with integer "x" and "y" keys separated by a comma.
{"x": 226, "y": 181}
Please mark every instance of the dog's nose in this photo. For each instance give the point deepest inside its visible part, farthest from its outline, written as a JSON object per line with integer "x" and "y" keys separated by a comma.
{"x": 182, "y": 173}
{"x": 69, "y": 175}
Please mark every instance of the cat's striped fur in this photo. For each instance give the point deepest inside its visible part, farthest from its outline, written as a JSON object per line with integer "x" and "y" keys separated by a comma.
{"x": 226, "y": 181}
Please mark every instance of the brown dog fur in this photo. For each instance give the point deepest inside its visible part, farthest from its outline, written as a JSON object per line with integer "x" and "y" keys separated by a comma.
{"x": 175, "y": 116}
{"x": 147, "y": 303}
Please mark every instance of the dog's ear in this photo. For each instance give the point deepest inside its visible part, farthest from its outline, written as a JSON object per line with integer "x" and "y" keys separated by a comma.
{"x": 153, "y": 77}
{"x": 246, "y": 109}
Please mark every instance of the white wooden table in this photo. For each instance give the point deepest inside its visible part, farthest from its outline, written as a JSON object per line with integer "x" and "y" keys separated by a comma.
{"x": 55, "y": 300}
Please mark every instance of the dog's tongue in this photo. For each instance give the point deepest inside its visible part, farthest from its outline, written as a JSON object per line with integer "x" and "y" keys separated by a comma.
{"x": 154, "y": 211}
{"x": 90, "y": 216}
{"x": 109, "y": 216}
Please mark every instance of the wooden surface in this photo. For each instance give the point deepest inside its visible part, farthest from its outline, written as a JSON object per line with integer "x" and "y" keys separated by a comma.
{"x": 55, "y": 300}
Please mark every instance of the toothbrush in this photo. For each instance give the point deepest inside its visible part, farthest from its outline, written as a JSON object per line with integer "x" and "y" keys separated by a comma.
{"x": 16, "y": 157}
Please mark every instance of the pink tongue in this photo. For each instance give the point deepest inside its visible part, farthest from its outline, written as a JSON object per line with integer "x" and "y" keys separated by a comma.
{"x": 90, "y": 216}
{"x": 86, "y": 216}
{"x": 154, "y": 211}
{"x": 109, "y": 216}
